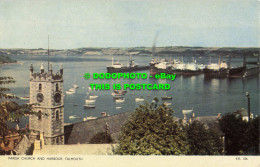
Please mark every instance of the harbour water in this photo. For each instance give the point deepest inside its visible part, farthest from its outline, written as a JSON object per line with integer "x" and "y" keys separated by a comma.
{"x": 206, "y": 97}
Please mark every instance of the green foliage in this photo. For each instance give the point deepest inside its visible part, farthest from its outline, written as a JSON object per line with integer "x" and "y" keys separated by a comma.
{"x": 10, "y": 110}
{"x": 101, "y": 138}
{"x": 203, "y": 141}
{"x": 152, "y": 130}
{"x": 240, "y": 136}
{"x": 253, "y": 136}
{"x": 6, "y": 80}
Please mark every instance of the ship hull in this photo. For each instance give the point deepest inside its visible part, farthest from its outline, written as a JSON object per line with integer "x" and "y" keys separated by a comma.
{"x": 126, "y": 69}
{"x": 236, "y": 72}
{"x": 251, "y": 72}
{"x": 222, "y": 73}
{"x": 154, "y": 71}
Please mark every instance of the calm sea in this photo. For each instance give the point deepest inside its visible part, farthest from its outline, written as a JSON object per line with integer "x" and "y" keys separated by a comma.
{"x": 204, "y": 97}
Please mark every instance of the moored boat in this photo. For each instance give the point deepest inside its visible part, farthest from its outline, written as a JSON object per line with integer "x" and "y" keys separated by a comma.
{"x": 120, "y": 100}
{"x": 166, "y": 98}
{"x": 89, "y": 118}
{"x": 139, "y": 99}
{"x": 167, "y": 104}
{"x": 93, "y": 97}
{"x": 74, "y": 117}
{"x": 90, "y": 101}
{"x": 118, "y": 67}
{"x": 186, "y": 111}
{"x": 71, "y": 91}
{"x": 90, "y": 105}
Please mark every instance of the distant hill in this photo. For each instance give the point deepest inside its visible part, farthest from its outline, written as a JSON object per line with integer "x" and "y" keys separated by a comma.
{"x": 160, "y": 51}
{"x": 5, "y": 59}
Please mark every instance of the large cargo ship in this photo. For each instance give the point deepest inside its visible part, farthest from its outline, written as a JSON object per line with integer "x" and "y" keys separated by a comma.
{"x": 176, "y": 67}
{"x": 248, "y": 69}
{"x": 216, "y": 70}
{"x": 118, "y": 67}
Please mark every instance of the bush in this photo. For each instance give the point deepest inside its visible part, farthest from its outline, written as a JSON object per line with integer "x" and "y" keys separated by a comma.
{"x": 152, "y": 130}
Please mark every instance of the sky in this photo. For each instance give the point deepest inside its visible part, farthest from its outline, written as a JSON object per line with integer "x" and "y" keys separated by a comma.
{"x": 129, "y": 23}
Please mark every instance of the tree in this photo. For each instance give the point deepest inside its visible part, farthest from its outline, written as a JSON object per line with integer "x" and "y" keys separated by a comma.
{"x": 10, "y": 110}
{"x": 254, "y": 136}
{"x": 203, "y": 141}
{"x": 236, "y": 134}
{"x": 152, "y": 130}
{"x": 101, "y": 138}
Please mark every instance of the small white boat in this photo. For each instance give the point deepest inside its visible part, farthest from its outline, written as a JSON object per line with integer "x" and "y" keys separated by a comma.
{"x": 120, "y": 100}
{"x": 89, "y": 118}
{"x": 166, "y": 98}
{"x": 89, "y": 106}
{"x": 90, "y": 101}
{"x": 186, "y": 111}
{"x": 71, "y": 91}
{"x": 25, "y": 98}
{"x": 139, "y": 99}
{"x": 93, "y": 97}
{"x": 167, "y": 104}
{"x": 118, "y": 107}
{"x": 74, "y": 117}
{"x": 75, "y": 86}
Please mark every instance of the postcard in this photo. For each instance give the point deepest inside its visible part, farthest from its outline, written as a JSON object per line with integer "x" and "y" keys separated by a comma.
{"x": 127, "y": 82}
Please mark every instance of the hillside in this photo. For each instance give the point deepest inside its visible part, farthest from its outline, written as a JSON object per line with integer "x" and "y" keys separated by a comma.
{"x": 5, "y": 59}
{"x": 160, "y": 51}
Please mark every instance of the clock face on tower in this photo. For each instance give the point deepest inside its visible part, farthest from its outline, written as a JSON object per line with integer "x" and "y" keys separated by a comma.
{"x": 57, "y": 97}
{"x": 40, "y": 97}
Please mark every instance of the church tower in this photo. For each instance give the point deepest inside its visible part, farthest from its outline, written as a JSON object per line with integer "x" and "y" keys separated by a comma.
{"x": 46, "y": 95}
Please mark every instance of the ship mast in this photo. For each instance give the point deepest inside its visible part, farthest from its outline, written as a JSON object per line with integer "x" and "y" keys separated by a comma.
{"x": 229, "y": 62}
{"x": 154, "y": 44}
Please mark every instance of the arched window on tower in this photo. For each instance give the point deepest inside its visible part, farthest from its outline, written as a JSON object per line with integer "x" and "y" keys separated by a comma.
{"x": 57, "y": 87}
{"x": 40, "y": 87}
{"x": 57, "y": 115}
{"x": 39, "y": 115}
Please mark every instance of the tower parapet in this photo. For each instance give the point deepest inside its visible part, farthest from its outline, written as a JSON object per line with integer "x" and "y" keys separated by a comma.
{"x": 46, "y": 76}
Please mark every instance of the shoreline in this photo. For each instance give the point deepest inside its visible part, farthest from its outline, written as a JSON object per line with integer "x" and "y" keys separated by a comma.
{"x": 10, "y": 63}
